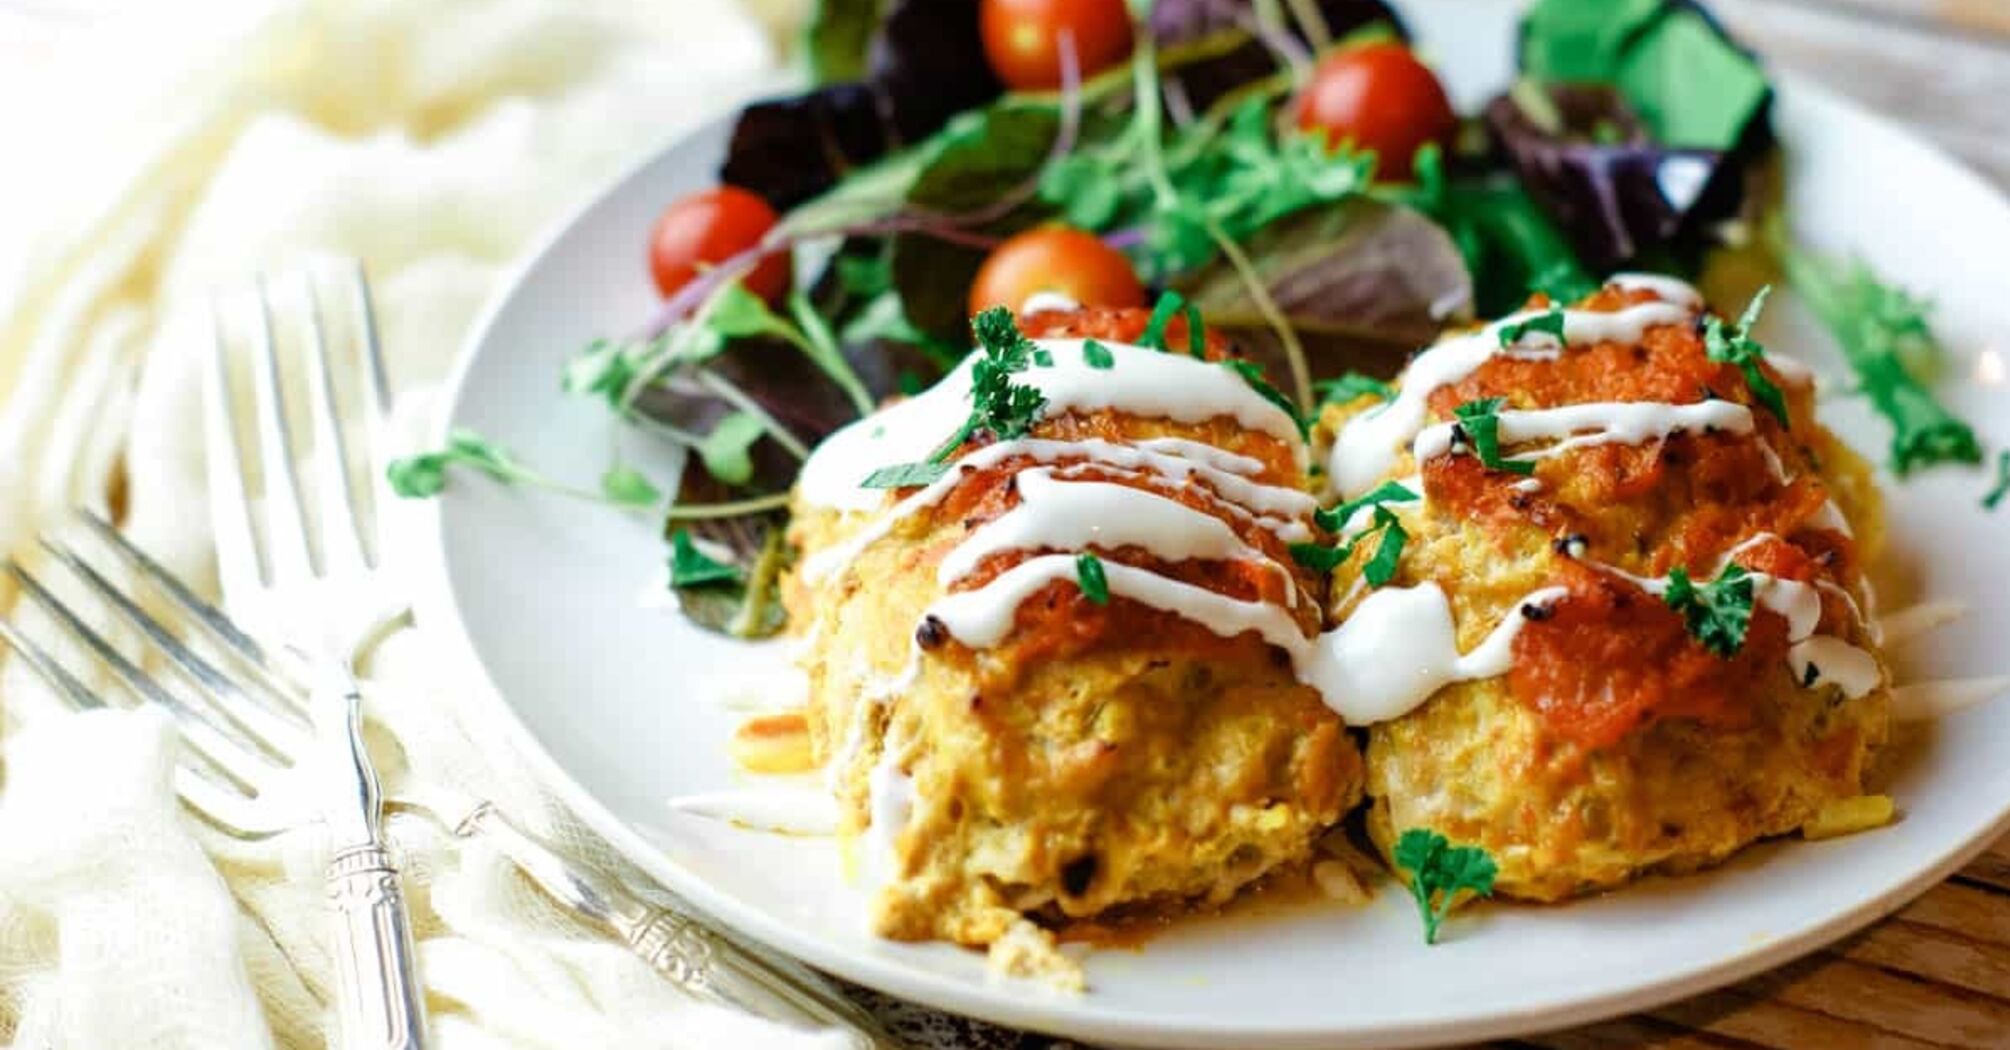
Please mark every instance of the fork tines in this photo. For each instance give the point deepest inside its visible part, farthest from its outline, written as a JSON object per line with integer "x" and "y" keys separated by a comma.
{"x": 274, "y": 533}
{"x": 245, "y": 723}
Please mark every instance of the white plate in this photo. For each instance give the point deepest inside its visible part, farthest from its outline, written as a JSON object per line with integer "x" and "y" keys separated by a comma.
{"x": 621, "y": 706}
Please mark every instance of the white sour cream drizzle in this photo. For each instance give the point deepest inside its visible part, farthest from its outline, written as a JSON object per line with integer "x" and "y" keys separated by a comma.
{"x": 1076, "y": 515}
{"x": 1398, "y": 647}
{"x": 1595, "y": 423}
{"x": 1141, "y": 381}
{"x": 1367, "y": 448}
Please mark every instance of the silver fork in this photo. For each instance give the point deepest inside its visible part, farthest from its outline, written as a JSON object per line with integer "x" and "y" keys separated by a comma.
{"x": 327, "y": 602}
{"x": 350, "y": 599}
{"x": 250, "y": 790}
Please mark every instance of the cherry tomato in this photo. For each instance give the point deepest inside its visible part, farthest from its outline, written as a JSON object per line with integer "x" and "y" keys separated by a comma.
{"x": 1057, "y": 259}
{"x": 710, "y": 227}
{"x": 1022, "y": 38}
{"x": 1378, "y": 97}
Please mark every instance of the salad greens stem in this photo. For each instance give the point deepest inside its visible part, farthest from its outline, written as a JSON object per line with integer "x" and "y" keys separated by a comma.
{"x": 1294, "y": 351}
{"x": 814, "y": 338}
{"x": 1268, "y": 26}
{"x": 746, "y": 622}
{"x": 739, "y": 399}
{"x": 1312, "y": 22}
{"x": 729, "y": 509}
{"x": 1150, "y": 122}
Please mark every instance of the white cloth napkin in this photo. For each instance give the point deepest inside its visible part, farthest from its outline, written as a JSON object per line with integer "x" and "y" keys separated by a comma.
{"x": 198, "y": 146}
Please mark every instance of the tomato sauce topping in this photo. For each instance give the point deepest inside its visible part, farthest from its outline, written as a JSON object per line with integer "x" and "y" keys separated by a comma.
{"x": 1612, "y": 658}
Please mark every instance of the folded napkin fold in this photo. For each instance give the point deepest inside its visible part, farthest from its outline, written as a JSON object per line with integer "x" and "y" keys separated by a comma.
{"x": 432, "y": 140}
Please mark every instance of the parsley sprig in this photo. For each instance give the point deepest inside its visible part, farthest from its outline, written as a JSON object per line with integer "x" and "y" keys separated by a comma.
{"x": 1480, "y": 422}
{"x": 1735, "y": 345}
{"x": 998, "y": 406}
{"x": 1334, "y": 519}
{"x": 1383, "y": 527}
{"x": 1719, "y": 613}
{"x": 1440, "y": 872}
{"x": 1886, "y": 338}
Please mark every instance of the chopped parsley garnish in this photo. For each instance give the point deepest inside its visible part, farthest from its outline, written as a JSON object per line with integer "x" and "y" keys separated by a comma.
{"x": 2002, "y": 487}
{"x": 1384, "y": 527}
{"x": 1097, "y": 356}
{"x": 1480, "y": 422}
{"x": 1335, "y": 519}
{"x": 691, "y": 567}
{"x": 1550, "y": 321}
{"x": 1440, "y": 872}
{"x": 1350, "y": 386}
{"x": 425, "y": 475}
{"x": 1170, "y": 305}
{"x": 1717, "y": 613}
{"x": 1043, "y": 357}
{"x": 1318, "y": 557}
{"x": 1736, "y": 346}
{"x": 1005, "y": 409}
{"x": 1388, "y": 556}
{"x": 904, "y": 475}
{"x": 1252, "y": 374}
{"x": 1089, "y": 576}
{"x": 1886, "y": 339}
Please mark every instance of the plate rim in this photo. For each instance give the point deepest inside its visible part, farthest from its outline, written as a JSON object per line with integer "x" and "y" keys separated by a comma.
{"x": 437, "y": 611}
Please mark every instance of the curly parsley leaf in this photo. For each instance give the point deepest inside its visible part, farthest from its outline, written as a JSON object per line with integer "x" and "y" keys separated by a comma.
{"x": 1350, "y": 386}
{"x": 691, "y": 567}
{"x": 1440, "y": 872}
{"x": 1089, "y": 576}
{"x": 1549, "y": 322}
{"x": 997, "y": 404}
{"x": 1886, "y": 338}
{"x": 2002, "y": 487}
{"x": 1717, "y": 613}
{"x": 1480, "y": 422}
{"x": 1735, "y": 345}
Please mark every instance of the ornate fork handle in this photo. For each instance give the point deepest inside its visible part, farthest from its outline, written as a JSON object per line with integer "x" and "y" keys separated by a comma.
{"x": 696, "y": 958}
{"x": 376, "y": 989}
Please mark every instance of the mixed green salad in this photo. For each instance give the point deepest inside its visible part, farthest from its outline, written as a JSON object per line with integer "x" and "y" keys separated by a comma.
{"x": 1289, "y": 169}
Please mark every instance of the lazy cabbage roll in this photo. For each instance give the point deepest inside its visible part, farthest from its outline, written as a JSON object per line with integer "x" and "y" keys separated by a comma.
{"x": 1050, "y": 616}
{"x": 1626, "y": 627}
